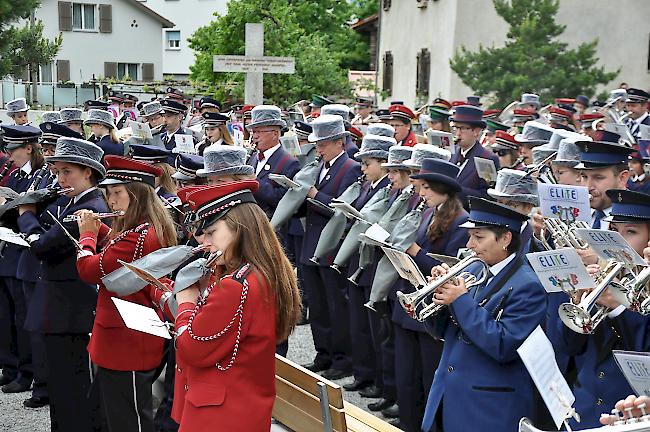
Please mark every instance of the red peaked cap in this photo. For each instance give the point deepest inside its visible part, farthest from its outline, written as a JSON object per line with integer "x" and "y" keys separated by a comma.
{"x": 561, "y": 112}
{"x": 211, "y": 203}
{"x": 590, "y": 117}
{"x": 183, "y": 193}
{"x": 401, "y": 111}
{"x": 120, "y": 170}
{"x": 505, "y": 136}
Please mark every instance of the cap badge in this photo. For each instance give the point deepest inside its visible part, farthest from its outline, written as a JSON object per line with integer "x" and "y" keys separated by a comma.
{"x": 620, "y": 197}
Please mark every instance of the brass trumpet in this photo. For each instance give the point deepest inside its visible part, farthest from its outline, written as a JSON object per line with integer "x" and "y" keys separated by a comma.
{"x": 637, "y": 290}
{"x": 419, "y": 305}
{"x": 563, "y": 234}
{"x": 585, "y": 316}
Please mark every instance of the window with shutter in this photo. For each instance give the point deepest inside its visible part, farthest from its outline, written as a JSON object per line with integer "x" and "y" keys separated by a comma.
{"x": 388, "y": 73}
{"x": 65, "y": 16}
{"x": 147, "y": 72}
{"x": 423, "y": 72}
{"x": 105, "y": 18}
{"x": 63, "y": 70}
{"x": 110, "y": 70}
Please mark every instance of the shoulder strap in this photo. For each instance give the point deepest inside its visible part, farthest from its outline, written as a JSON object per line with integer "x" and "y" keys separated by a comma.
{"x": 339, "y": 175}
{"x": 241, "y": 273}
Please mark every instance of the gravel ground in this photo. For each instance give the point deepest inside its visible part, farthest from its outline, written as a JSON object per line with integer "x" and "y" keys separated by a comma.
{"x": 16, "y": 418}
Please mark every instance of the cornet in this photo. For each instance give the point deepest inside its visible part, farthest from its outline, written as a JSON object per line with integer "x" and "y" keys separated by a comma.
{"x": 637, "y": 290}
{"x": 586, "y": 315}
{"x": 563, "y": 234}
{"x": 419, "y": 305}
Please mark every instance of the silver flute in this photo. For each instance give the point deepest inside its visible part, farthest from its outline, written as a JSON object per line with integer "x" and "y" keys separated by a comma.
{"x": 74, "y": 218}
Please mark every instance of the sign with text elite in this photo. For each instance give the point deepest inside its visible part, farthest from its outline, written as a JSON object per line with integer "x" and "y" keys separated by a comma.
{"x": 264, "y": 64}
{"x": 568, "y": 203}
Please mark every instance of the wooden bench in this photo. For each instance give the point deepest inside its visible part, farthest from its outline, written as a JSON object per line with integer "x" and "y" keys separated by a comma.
{"x": 307, "y": 402}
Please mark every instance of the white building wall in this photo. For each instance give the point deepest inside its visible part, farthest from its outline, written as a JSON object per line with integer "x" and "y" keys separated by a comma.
{"x": 135, "y": 39}
{"x": 445, "y": 25}
{"x": 188, "y": 16}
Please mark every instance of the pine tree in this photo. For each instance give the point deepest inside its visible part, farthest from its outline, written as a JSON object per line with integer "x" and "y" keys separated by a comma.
{"x": 532, "y": 60}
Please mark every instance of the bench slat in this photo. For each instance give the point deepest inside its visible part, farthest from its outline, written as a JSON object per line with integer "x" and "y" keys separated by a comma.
{"x": 355, "y": 415}
{"x": 307, "y": 380}
{"x": 307, "y": 403}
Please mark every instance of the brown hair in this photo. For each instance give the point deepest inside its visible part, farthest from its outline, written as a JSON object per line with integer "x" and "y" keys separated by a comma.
{"x": 514, "y": 243}
{"x": 145, "y": 206}
{"x": 166, "y": 179}
{"x": 256, "y": 243}
{"x": 36, "y": 158}
{"x": 225, "y": 134}
{"x": 447, "y": 212}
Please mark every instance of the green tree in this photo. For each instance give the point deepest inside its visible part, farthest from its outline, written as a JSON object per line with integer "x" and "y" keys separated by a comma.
{"x": 23, "y": 44}
{"x": 315, "y": 32}
{"x": 533, "y": 59}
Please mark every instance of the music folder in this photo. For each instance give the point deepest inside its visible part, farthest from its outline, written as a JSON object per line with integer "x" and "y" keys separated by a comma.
{"x": 9, "y": 236}
{"x": 405, "y": 266}
{"x": 349, "y": 211}
{"x": 141, "y": 318}
{"x": 144, "y": 275}
{"x": 283, "y": 180}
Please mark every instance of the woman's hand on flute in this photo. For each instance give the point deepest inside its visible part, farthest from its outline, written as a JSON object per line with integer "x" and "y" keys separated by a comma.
{"x": 87, "y": 221}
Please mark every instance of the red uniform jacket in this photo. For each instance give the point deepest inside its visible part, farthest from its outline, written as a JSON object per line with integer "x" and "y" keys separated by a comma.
{"x": 410, "y": 140}
{"x": 113, "y": 345}
{"x": 240, "y": 398}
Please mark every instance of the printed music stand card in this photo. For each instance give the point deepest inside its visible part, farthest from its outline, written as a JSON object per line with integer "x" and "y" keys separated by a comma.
{"x": 539, "y": 358}
{"x": 140, "y": 130}
{"x": 611, "y": 245}
{"x": 131, "y": 113}
{"x": 349, "y": 211}
{"x": 115, "y": 110}
{"x": 405, "y": 266}
{"x": 636, "y": 369}
{"x": 184, "y": 144}
{"x": 564, "y": 202}
{"x": 7, "y": 235}
{"x": 284, "y": 181}
{"x": 236, "y": 130}
{"x": 291, "y": 144}
{"x": 440, "y": 139}
{"x": 560, "y": 270}
{"x": 486, "y": 169}
{"x": 141, "y": 318}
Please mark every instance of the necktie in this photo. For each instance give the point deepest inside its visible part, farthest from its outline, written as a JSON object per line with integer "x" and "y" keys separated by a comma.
{"x": 260, "y": 156}
{"x": 328, "y": 165}
{"x": 461, "y": 159}
{"x": 599, "y": 215}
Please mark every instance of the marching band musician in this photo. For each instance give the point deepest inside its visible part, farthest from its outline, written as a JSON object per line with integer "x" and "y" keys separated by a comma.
{"x": 327, "y": 304}
{"x": 21, "y": 142}
{"x": 563, "y": 166}
{"x": 400, "y": 117}
{"x": 533, "y": 134}
{"x": 215, "y": 131}
{"x": 64, "y": 303}
{"x": 103, "y": 129}
{"x": 228, "y": 369}
{"x": 417, "y": 353}
{"x": 126, "y": 359}
{"x": 186, "y": 167}
{"x": 71, "y": 117}
{"x": 467, "y": 126}
{"x": 173, "y": 113}
{"x": 600, "y": 382}
{"x": 365, "y": 367}
{"x": 225, "y": 164}
{"x": 18, "y": 111}
{"x": 363, "y": 112}
{"x": 343, "y": 111}
{"x": 638, "y": 176}
{"x": 269, "y": 156}
{"x": 483, "y": 328}
{"x": 506, "y": 147}
{"x": 159, "y": 157}
{"x": 636, "y": 104}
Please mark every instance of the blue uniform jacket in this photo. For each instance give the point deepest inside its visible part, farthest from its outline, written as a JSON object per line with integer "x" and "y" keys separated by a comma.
{"x": 111, "y": 147}
{"x": 600, "y": 382}
{"x": 62, "y": 302}
{"x": 270, "y": 193}
{"x": 342, "y": 174}
{"x": 453, "y": 239}
{"x": 479, "y": 363}
{"x": 169, "y": 141}
{"x": 10, "y": 254}
{"x": 468, "y": 177}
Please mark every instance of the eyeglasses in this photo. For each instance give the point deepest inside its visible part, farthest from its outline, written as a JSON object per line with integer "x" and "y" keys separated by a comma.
{"x": 258, "y": 131}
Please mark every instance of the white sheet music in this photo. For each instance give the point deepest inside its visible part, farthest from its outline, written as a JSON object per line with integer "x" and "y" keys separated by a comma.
{"x": 539, "y": 358}
{"x": 405, "y": 266}
{"x": 141, "y": 318}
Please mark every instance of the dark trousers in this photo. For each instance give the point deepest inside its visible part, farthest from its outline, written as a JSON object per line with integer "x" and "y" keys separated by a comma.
{"x": 384, "y": 345}
{"x": 8, "y": 355}
{"x": 73, "y": 407}
{"x": 39, "y": 358}
{"x": 163, "y": 421}
{"x": 294, "y": 249}
{"x": 17, "y": 362}
{"x": 328, "y": 316}
{"x": 126, "y": 400}
{"x": 363, "y": 351}
{"x": 416, "y": 360}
